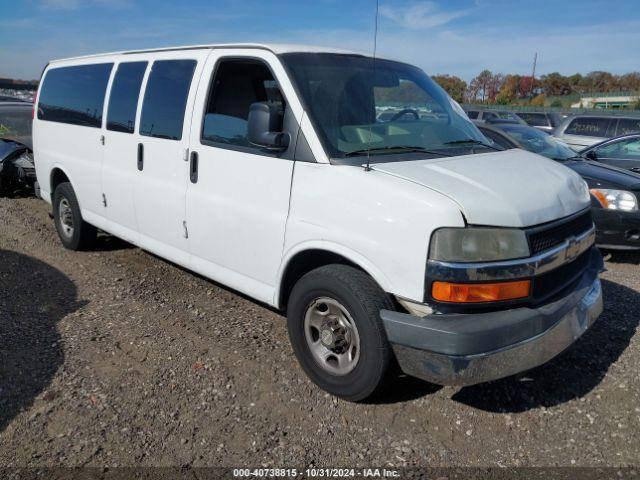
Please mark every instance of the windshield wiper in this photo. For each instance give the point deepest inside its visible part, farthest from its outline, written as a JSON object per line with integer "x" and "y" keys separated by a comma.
{"x": 403, "y": 148}
{"x": 471, "y": 141}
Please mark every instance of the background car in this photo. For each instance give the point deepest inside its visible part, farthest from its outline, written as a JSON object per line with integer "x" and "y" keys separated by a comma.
{"x": 615, "y": 192}
{"x": 582, "y": 131}
{"x": 622, "y": 152}
{"x": 493, "y": 116}
{"x": 17, "y": 168}
{"x": 545, "y": 121}
{"x": 508, "y": 135}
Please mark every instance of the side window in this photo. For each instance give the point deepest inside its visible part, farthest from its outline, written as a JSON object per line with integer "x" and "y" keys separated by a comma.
{"x": 74, "y": 95}
{"x": 535, "y": 119}
{"x": 628, "y": 125}
{"x": 624, "y": 149}
{"x": 589, "y": 127}
{"x": 123, "y": 101}
{"x": 165, "y": 98}
{"x": 237, "y": 83}
{"x": 472, "y": 114}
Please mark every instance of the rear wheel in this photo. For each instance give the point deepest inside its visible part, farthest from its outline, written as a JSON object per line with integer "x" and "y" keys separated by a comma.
{"x": 336, "y": 332}
{"x": 74, "y": 232}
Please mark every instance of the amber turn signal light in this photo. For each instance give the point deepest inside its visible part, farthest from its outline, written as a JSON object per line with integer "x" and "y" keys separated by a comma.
{"x": 480, "y": 292}
{"x": 600, "y": 197}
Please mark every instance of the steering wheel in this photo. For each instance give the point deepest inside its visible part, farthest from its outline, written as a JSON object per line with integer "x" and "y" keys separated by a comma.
{"x": 403, "y": 112}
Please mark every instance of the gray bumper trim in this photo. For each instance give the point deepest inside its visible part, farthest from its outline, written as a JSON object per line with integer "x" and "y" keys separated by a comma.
{"x": 457, "y": 350}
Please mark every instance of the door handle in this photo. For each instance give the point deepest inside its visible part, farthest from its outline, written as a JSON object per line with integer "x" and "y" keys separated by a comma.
{"x": 635, "y": 169}
{"x": 140, "y": 156}
{"x": 193, "y": 167}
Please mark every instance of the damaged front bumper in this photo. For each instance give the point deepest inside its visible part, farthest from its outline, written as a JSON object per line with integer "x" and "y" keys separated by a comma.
{"x": 465, "y": 349}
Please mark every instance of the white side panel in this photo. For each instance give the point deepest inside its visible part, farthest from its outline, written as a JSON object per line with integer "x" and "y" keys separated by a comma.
{"x": 78, "y": 151}
{"x": 380, "y": 222}
{"x": 119, "y": 170}
{"x": 160, "y": 187}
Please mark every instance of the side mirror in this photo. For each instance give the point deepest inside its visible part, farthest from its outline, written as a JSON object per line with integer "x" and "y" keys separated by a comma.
{"x": 265, "y": 125}
{"x": 592, "y": 155}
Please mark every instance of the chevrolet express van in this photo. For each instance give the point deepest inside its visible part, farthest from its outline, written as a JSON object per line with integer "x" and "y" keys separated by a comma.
{"x": 407, "y": 242}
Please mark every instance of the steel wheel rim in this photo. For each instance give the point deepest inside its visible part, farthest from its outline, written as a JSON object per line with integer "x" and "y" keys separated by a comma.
{"x": 332, "y": 336}
{"x": 65, "y": 215}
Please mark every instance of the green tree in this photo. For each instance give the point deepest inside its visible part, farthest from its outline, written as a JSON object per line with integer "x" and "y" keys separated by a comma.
{"x": 630, "y": 82}
{"x": 509, "y": 90}
{"x": 479, "y": 86}
{"x": 555, "y": 84}
{"x": 455, "y": 86}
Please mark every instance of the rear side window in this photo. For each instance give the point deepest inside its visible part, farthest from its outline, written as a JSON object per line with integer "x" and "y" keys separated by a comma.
{"x": 236, "y": 85}
{"x": 628, "y": 125}
{"x": 123, "y": 101}
{"x": 589, "y": 127}
{"x": 165, "y": 98}
{"x": 472, "y": 114}
{"x": 74, "y": 95}
{"x": 535, "y": 119}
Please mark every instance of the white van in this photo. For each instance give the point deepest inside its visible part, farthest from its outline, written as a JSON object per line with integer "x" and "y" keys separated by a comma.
{"x": 408, "y": 240}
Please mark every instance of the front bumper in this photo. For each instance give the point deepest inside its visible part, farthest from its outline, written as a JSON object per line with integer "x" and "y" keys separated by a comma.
{"x": 616, "y": 229}
{"x": 465, "y": 349}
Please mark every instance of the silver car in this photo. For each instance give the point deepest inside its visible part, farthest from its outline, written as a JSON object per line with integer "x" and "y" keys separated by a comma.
{"x": 582, "y": 131}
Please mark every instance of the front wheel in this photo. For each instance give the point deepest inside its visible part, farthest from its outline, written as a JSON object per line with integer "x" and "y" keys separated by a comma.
{"x": 74, "y": 232}
{"x": 334, "y": 324}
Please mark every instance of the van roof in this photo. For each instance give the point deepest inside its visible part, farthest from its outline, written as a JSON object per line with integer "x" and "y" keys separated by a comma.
{"x": 276, "y": 48}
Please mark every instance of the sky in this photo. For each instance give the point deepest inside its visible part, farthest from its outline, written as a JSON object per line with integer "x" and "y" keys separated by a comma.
{"x": 456, "y": 37}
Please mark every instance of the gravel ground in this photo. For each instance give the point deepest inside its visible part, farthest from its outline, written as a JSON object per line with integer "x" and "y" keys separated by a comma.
{"x": 116, "y": 357}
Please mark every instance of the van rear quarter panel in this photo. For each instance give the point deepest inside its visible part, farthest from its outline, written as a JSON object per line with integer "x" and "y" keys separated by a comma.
{"x": 74, "y": 149}
{"x": 380, "y": 222}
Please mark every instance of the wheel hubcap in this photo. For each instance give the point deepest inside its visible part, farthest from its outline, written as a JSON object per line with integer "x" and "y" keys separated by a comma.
{"x": 332, "y": 336}
{"x": 65, "y": 215}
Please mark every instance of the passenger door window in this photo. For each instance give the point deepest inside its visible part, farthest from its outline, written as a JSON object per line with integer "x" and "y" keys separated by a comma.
{"x": 237, "y": 84}
{"x": 165, "y": 98}
{"x": 624, "y": 150}
{"x": 123, "y": 101}
{"x": 589, "y": 127}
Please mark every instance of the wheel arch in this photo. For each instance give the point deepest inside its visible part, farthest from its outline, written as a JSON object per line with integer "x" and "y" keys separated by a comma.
{"x": 57, "y": 176}
{"x": 302, "y": 260}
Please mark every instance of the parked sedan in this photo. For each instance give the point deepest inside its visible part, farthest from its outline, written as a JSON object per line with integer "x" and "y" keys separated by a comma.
{"x": 583, "y": 131}
{"x": 614, "y": 192}
{"x": 622, "y": 152}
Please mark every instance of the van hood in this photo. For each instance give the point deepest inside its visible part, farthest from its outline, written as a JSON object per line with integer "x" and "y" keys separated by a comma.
{"x": 513, "y": 188}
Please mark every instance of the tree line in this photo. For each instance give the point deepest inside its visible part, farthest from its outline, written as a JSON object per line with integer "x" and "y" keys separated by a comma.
{"x": 497, "y": 88}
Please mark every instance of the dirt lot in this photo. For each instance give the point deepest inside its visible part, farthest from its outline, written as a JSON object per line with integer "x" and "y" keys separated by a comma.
{"x": 116, "y": 357}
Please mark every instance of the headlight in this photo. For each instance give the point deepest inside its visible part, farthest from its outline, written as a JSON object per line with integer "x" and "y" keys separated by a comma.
{"x": 615, "y": 199}
{"x": 478, "y": 244}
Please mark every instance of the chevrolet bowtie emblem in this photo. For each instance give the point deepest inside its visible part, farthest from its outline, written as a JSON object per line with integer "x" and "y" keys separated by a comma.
{"x": 573, "y": 250}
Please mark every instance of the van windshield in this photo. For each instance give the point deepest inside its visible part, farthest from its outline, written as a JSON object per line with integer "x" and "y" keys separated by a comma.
{"x": 359, "y": 108}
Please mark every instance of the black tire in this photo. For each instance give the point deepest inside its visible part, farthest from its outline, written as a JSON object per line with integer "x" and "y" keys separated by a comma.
{"x": 363, "y": 299}
{"x": 83, "y": 235}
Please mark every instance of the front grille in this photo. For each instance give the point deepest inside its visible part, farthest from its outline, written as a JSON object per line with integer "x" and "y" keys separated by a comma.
{"x": 551, "y": 283}
{"x": 551, "y": 235}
